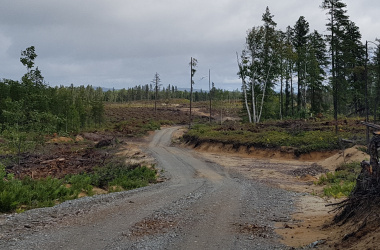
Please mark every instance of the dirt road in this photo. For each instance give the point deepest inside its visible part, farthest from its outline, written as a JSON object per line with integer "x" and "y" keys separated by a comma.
{"x": 200, "y": 206}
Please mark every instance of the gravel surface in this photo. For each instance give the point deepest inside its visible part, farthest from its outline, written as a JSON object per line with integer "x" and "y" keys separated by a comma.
{"x": 200, "y": 206}
{"x": 313, "y": 170}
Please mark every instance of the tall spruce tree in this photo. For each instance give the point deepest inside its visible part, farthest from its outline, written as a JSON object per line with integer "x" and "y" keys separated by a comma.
{"x": 316, "y": 64}
{"x": 354, "y": 65}
{"x": 337, "y": 21}
{"x": 348, "y": 60}
{"x": 375, "y": 66}
{"x": 301, "y": 30}
{"x": 291, "y": 57}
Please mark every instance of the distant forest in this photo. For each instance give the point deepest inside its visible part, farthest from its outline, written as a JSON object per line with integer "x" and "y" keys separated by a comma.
{"x": 31, "y": 106}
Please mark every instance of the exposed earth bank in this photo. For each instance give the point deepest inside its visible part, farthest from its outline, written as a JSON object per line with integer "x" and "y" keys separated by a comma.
{"x": 311, "y": 223}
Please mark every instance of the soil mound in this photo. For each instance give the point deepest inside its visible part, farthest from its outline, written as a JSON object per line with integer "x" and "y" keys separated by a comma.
{"x": 354, "y": 154}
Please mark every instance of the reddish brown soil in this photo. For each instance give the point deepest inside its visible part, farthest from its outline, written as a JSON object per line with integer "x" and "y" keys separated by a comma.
{"x": 61, "y": 156}
{"x": 58, "y": 159}
{"x": 174, "y": 114}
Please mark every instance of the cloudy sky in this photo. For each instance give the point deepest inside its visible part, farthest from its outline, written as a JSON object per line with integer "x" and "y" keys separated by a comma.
{"x": 123, "y": 43}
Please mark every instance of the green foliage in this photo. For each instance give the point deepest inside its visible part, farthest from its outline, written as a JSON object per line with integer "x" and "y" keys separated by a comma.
{"x": 80, "y": 183}
{"x": 28, "y": 57}
{"x": 17, "y": 141}
{"x": 125, "y": 176}
{"x": 31, "y": 106}
{"x": 267, "y": 136}
{"x": 342, "y": 182}
{"x": 339, "y": 190}
{"x": 151, "y": 125}
{"x": 27, "y": 193}
{"x": 135, "y": 178}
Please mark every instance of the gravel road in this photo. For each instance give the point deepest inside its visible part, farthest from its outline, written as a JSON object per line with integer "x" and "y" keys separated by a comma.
{"x": 200, "y": 206}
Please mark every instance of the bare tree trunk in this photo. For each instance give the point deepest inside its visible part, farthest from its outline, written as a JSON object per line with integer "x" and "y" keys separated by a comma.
{"x": 253, "y": 102}
{"x": 281, "y": 97}
{"x": 155, "y": 97}
{"x": 246, "y": 100}
{"x": 209, "y": 90}
{"x": 191, "y": 90}
{"x": 244, "y": 87}
{"x": 291, "y": 94}
{"x": 264, "y": 90}
{"x": 254, "y": 110}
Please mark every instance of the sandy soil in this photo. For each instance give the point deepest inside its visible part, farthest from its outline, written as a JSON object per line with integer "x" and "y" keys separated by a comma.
{"x": 312, "y": 219}
{"x": 275, "y": 168}
{"x": 201, "y": 206}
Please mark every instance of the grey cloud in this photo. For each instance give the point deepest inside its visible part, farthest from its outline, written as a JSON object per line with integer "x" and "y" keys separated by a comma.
{"x": 121, "y": 43}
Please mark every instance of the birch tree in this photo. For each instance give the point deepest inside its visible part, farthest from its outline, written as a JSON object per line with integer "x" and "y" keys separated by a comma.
{"x": 259, "y": 66}
{"x": 243, "y": 74}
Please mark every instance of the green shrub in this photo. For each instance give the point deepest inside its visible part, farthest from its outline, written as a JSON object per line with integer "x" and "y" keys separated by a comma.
{"x": 29, "y": 193}
{"x": 165, "y": 122}
{"x": 126, "y": 176}
{"x": 339, "y": 190}
{"x": 81, "y": 183}
{"x": 342, "y": 182}
{"x": 19, "y": 195}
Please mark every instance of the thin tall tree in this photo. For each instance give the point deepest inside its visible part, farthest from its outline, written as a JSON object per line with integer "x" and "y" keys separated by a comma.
{"x": 193, "y": 64}
{"x": 156, "y": 81}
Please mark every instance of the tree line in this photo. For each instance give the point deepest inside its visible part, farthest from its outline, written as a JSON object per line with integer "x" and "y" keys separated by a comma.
{"x": 147, "y": 92}
{"x": 31, "y": 106}
{"x": 297, "y": 72}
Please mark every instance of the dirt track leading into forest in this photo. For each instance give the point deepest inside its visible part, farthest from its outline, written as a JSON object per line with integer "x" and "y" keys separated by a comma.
{"x": 201, "y": 206}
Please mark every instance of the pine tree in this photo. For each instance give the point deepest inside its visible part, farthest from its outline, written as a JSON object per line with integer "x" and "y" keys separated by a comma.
{"x": 301, "y": 29}
{"x": 291, "y": 57}
{"x": 354, "y": 65}
{"x": 317, "y": 62}
{"x": 376, "y": 77}
{"x": 337, "y": 21}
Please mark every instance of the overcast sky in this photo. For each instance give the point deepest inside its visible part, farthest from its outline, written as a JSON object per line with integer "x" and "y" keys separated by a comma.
{"x": 123, "y": 43}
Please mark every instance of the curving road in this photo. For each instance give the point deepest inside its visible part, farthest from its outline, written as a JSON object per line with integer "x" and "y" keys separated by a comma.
{"x": 200, "y": 206}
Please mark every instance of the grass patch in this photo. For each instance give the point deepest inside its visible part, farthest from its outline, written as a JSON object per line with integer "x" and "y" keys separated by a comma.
{"x": 302, "y": 136}
{"x": 125, "y": 176}
{"x": 341, "y": 182}
{"x": 20, "y": 195}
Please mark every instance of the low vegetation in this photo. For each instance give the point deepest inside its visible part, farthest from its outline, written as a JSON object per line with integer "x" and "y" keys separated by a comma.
{"x": 27, "y": 193}
{"x": 341, "y": 182}
{"x": 301, "y": 136}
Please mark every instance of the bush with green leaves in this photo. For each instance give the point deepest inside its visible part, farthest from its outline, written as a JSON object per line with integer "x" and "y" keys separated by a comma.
{"x": 80, "y": 183}
{"x": 341, "y": 182}
{"x": 20, "y": 195}
{"x": 28, "y": 193}
{"x": 126, "y": 176}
